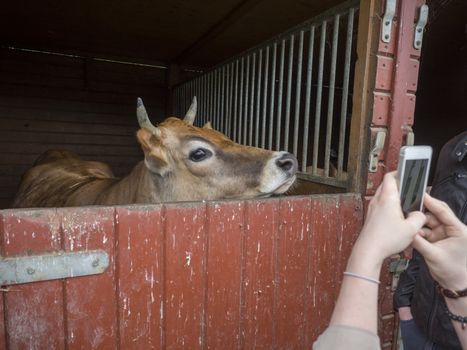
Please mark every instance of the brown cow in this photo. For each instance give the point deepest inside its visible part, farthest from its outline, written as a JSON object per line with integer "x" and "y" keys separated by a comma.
{"x": 181, "y": 163}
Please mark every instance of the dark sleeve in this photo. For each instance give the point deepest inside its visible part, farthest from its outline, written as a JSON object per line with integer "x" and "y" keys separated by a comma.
{"x": 404, "y": 291}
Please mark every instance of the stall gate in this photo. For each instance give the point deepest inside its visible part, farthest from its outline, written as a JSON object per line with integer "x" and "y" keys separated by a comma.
{"x": 292, "y": 93}
{"x": 260, "y": 274}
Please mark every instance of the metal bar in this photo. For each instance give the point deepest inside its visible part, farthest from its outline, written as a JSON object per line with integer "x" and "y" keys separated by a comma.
{"x": 279, "y": 96}
{"x": 319, "y": 93}
{"x": 235, "y": 103}
{"x": 240, "y": 104}
{"x": 342, "y": 8}
{"x": 332, "y": 87}
{"x": 247, "y": 79}
{"x": 227, "y": 95}
{"x": 345, "y": 93}
{"x": 229, "y": 106}
{"x": 35, "y": 268}
{"x": 221, "y": 114}
{"x": 273, "y": 87}
{"x": 289, "y": 93}
{"x": 218, "y": 98}
{"x": 298, "y": 93}
{"x": 258, "y": 97}
{"x": 265, "y": 99}
{"x": 253, "y": 72}
{"x": 309, "y": 76}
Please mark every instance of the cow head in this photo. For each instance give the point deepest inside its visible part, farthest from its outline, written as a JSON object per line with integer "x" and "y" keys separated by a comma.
{"x": 192, "y": 163}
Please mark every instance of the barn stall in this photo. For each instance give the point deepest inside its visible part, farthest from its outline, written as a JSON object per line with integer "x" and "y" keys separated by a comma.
{"x": 237, "y": 274}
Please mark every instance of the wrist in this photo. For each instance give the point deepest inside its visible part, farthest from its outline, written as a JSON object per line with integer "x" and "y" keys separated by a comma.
{"x": 364, "y": 263}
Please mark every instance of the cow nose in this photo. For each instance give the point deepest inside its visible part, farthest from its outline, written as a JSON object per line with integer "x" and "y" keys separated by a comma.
{"x": 288, "y": 163}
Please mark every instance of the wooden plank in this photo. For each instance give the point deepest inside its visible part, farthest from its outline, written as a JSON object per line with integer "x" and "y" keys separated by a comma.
{"x": 34, "y": 311}
{"x": 37, "y": 148}
{"x": 185, "y": 275}
{"x": 321, "y": 256}
{"x": 3, "y": 335}
{"x": 224, "y": 272}
{"x": 68, "y": 138}
{"x": 91, "y": 309}
{"x": 50, "y": 114}
{"x": 365, "y": 72}
{"x": 259, "y": 281}
{"x": 118, "y": 103}
{"x": 64, "y": 127}
{"x": 140, "y": 269}
{"x": 292, "y": 268}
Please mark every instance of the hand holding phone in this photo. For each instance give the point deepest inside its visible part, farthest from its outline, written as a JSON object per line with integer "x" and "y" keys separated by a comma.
{"x": 412, "y": 174}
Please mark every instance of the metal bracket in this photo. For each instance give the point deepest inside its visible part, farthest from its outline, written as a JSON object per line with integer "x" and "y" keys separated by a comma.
{"x": 397, "y": 267}
{"x": 35, "y": 268}
{"x": 420, "y": 26}
{"x": 389, "y": 13}
{"x": 376, "y": 151}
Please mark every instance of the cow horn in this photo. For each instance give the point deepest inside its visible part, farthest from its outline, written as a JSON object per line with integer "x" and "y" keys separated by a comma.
{"x": 191, "y": 114}
{"x": 143, "y": 119}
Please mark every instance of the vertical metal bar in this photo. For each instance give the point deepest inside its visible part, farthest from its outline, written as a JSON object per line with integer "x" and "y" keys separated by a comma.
{"x": 298, "y": 93}
{"x": 240, "y": 104}
{"x": 332, "y": 87}
{"x": 273, "y": 87}
{"x": 218, "y": 98}
{"x": 289, "y": 93}
{"x": 208, "y": 97}
{"x": 227, "y": 102}
{"x": 319, "y": 93}
{"x": 265, "y": 99}
{"x": 247, "y": 79}
{"x": 309, "y": 75}
{"x": 252, "y": 99}
{"x": 235, "y": 103}
{"x": 345, "y": 92}
{"x": 279, "y": 96}
{"x": 258, "y": 97}
{"x": 221, "y": 114}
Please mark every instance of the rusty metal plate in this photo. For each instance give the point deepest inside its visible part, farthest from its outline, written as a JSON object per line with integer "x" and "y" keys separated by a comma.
{"x": 35, "y": 268}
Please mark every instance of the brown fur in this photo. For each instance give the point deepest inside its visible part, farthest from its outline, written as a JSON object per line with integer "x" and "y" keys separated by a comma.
{"x": 61, "y": 178}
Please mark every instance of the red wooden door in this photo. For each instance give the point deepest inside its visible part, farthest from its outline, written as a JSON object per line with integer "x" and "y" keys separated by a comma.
{"x": 257, "y": 274}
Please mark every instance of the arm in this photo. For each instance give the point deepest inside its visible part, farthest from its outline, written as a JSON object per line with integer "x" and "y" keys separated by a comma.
{"x": 357, "y": 302}
{"x": 444, "y": 246}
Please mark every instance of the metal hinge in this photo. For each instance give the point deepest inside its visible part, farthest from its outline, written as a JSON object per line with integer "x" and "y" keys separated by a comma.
{"x": 35, "y": 268}
{"x": 386, "y": 27}
{"x": 376, "y": 150}
{"x": 396, "y": 267}
{"x": 420, "y": 26}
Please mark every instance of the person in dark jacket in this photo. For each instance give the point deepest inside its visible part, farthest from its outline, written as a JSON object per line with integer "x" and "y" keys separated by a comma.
{"x": 421, "y": 307}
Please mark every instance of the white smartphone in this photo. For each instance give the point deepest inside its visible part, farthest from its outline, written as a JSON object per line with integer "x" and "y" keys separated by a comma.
{"x": 412, "y": 173}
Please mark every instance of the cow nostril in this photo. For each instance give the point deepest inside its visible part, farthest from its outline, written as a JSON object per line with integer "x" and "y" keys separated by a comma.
{"x": 287, "y": 163}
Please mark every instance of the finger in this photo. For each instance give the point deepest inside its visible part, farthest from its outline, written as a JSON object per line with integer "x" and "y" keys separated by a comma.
{"x": 433, "y": 235}
{"x": 431, "y": 220}
{"x": 442, "y": 212}
{"x": 425, "y": 248}
{"x": 416, "y": 219}
{"x": 389, "y": 185}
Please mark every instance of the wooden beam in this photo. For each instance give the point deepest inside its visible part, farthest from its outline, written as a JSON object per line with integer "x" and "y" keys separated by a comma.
{"x": 365, "y": 74}
{"x": 228, "y": 20}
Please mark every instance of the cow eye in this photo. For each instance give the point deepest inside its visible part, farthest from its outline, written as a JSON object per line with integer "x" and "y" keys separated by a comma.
{"x": 200, "y": 154}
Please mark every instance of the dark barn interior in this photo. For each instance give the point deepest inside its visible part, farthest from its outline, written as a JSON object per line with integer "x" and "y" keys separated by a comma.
{"x": 70, "y": 72}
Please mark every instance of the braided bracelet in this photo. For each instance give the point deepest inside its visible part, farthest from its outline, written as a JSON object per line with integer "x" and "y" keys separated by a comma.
{"x": 462, "y": 320}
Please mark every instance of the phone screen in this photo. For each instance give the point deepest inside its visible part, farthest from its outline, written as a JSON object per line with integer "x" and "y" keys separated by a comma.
{"x": 413, "y": 184}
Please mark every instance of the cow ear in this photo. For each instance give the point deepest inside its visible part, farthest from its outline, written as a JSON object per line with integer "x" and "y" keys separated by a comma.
{"x": 155, "y": 155}
{"x": 208, "y": 125}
